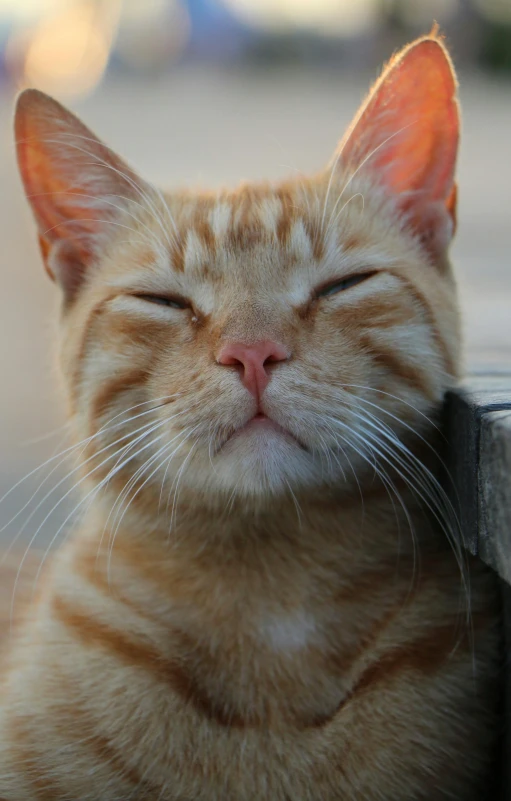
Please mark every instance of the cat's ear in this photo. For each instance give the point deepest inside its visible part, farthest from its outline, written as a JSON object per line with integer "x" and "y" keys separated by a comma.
{"x": 406, "y": 136}
{"x": 76, "y": 186}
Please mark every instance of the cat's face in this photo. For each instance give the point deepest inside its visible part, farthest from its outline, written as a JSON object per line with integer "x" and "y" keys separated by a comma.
{"x": 266, "y": 340}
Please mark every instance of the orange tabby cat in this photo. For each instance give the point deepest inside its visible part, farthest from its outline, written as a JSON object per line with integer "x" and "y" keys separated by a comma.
{"x": 261, "y": 601}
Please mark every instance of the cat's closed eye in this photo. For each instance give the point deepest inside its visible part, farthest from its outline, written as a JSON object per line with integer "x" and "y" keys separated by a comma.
{"x": 173, "y": 302}
{"x": 334, "y": 287}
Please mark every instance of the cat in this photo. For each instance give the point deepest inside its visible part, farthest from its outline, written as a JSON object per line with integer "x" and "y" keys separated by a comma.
{"x": 263, "y": 599}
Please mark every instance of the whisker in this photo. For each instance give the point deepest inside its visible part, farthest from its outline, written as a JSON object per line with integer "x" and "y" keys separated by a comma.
{"x": 438, "y": 503}
{"x": 134, "y": 478}
{"x": 372, "y": 153}
{"x": 129, "y": 180}
{"x": 332, "y": 220}
{"x": 103, "y": 200}
{"x": 299, "y": 512}
{"x": 112, "y": 472}
{"x": 131, "y": 483}
{"x": 77, "y": 506}
{"x": 71, "y": 450}
{"x": 173, "y": 515}
{"x": 66, "y": 477}
{"x": 329, "y": 186}
{"x": 422, "y": 483}
{"x": 393, "y": 397}
{"x": 391, "y": 490}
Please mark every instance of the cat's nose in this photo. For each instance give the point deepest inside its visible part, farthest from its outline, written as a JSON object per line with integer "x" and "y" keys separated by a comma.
{"x": 253, "y": 361}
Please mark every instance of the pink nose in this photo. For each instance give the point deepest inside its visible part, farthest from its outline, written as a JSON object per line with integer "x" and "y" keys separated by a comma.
{"x": 253, "y": 361}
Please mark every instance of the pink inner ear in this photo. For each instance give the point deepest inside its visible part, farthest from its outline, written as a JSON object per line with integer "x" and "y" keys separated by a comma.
{"x": 70, "y": 178}
{"x": 68, "y": 173}
{"x": 407, "y": 132}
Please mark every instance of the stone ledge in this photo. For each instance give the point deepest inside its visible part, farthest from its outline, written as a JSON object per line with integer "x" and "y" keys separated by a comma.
{"x": 478, "y": 427}
{"x": 495, "y": 491}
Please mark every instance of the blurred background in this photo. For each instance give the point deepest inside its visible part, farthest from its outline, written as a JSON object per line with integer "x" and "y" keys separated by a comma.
{"x": 214, "y": 92}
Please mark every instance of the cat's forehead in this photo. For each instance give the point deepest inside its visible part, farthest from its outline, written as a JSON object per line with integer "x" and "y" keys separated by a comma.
{"x": 256, "y": 242}
{"x": 263, "y": 224}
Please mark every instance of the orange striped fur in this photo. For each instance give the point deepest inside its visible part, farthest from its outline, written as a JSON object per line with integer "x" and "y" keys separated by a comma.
{"x": 245, "y": 612}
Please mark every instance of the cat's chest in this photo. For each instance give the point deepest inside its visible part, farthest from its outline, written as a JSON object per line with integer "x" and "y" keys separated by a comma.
{"x": 251, "y": 646}
{"x": 265, "y": 667}
{"x": 287, "y": 634}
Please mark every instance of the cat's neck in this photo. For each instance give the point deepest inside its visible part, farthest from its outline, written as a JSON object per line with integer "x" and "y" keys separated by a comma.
{"x": 319, "y": 527}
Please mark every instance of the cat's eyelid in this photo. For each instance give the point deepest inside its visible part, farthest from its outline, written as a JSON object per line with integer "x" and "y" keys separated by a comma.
{"x": 173, "y": 301}
{"x": 343, "y": 283}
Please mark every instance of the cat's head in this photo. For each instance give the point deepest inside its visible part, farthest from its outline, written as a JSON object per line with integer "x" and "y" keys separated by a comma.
{"x": 263, "y": 340}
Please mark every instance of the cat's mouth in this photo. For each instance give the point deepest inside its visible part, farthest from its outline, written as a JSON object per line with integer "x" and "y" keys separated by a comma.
{"x": 262, "y": 419}
{"x": 261, "y": 424}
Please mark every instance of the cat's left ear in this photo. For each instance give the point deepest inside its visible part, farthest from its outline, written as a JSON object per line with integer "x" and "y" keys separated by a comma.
{"x": 79, "y": 190}
{"x": 406, "y": 136}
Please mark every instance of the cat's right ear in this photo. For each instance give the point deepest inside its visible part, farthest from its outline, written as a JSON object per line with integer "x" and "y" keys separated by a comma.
{"x": 76, "y": 186}
{"x": 406, "y": 137}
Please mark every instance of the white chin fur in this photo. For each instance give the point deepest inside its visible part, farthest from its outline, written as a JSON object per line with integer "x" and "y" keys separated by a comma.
{"x": 254, "y": 464}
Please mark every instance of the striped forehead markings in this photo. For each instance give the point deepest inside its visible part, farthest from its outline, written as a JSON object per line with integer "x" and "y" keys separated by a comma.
{"x": 242, "y": 222}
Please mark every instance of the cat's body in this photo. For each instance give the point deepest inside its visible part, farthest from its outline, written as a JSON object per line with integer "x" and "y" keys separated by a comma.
{"x": 253, "y": 672}
{"x": 257, "y": 606}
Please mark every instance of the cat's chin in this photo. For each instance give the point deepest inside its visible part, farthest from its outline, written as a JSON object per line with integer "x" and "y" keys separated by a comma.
{"x": 261, "y": 459}
{"x": 260, "y": 432}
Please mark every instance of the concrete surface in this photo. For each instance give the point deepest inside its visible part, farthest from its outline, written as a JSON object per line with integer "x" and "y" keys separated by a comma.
{"x": 495, "y": 489}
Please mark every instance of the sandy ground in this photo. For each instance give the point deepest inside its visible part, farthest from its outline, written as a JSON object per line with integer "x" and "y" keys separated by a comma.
{"x": 211, "y": 128}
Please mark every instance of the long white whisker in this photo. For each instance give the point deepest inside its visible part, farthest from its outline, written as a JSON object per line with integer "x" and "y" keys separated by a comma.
{"x": 372, "y": 153}
{"x": 329, "y": 186}
{"x": 332, "y": 220}
{"x": 130, "y": 181}
{"x": 65, "y": 454}
{"x": 429, "y": 491}
{"x": 391, "y": 437}
{"x": 299, "y": 512}
{"x": 134, "y": 478}
{"x": 61, "y": 500}
{"x": 103, "y": 200}
{"x": 69, "y": 451}
{"x": 72, "y": 472}
{"x": 117, "y": 506}
{"x": 394, "y": 397}
{"x": 93, "y": 492}
{"x": 140, "y": 472}
{"x": 431, "y": 494}
{"x": 390, "y": 488}
{"x": 179, "y": 475}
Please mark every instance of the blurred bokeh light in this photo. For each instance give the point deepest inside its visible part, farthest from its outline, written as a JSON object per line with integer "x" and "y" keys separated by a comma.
{"x": 327, "y": 17}
{"x": 63, "y": 47}
{"x": 67, "y": 46}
